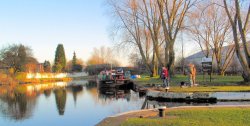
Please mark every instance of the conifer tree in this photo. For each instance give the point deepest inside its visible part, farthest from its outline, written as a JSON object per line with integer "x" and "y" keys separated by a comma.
{"x": 60, "y": 60}
{"x": 74, "y": 59}
{"x": 76, "y": 67}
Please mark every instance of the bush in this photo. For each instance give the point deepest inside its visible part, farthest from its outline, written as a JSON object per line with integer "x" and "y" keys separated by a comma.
{"x": 5, "y": 79}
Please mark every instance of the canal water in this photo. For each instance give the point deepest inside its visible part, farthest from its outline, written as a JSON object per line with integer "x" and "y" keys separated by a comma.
{"x": 223, "y": 98}
{"x": 78, "y": 103}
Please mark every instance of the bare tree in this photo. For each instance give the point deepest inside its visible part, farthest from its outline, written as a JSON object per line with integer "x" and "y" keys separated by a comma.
{"x": 162, "y": 20}
{"x": 128, "y": 12}
{"x": 102, "y": 55}
{"x": 239, "y": 25}
{"x": 212, "y": 31}
{"x": 151, "y": 18}
{"x": 172, "y": 14}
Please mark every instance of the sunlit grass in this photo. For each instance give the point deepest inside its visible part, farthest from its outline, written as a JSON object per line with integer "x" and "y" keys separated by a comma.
{"x": 218, "y": 83}
{"x": 175, "y": 81}
{"x": 22, "y": 78}
{"x": 210, "y": 89}
{"x": 197, "y": 117}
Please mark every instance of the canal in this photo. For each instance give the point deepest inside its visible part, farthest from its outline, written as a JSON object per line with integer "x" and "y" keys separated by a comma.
{"x": 78, "y": 103}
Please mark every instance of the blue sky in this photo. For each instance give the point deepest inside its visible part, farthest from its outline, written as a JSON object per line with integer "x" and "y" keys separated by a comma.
{"x": 80, "y": 25}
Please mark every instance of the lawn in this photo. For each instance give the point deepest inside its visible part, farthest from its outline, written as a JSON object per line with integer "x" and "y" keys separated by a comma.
{"x": 175, "y": 81}
{"x": 218, "y": 83}
{"x": 207, "y": 89}
{"x": 197, "y": 117}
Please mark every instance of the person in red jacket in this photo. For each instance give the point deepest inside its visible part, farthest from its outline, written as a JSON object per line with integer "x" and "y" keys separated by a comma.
{"x": 165, "y": 77}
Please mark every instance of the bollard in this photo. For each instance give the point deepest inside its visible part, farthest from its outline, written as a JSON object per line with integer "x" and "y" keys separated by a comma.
{"x": 162, "y": 111}
{"x": 166, "y": 89}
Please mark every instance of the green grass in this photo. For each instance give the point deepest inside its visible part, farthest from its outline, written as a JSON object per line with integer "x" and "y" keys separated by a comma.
{"x": 219, "y": 83}
{"x": 175, "y": 81}
{"x": 197, "y": 117}
{"x": 210, "y": 89}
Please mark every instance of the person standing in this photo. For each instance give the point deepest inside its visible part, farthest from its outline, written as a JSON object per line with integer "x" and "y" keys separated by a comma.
{"x": 165, "y": 77}
{"x": 192, "y": 74}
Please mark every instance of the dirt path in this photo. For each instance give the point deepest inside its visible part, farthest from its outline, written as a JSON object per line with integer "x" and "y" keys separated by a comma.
{"x": 118, "y": 119}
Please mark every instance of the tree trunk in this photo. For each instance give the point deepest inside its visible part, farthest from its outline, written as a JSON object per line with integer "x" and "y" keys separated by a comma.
{"x": 246, "y": 76}
{"x": 166, "y": 54}
{"x": 234, "y": 20}
{"x": 219, "y": 69}
{"x": 222, "y": 73}
{"x": 171, "y": 58}
{"x": 154, "y": 66}
{"x": 154, "y": 70}
{"x": 144, "y": 58}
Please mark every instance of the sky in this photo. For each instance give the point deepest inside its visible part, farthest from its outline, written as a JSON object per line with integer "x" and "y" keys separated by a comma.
{"x": 80, "y": 25}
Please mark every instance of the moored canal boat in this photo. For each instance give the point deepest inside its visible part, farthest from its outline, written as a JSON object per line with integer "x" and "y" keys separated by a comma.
{"x": 113, "y": 78}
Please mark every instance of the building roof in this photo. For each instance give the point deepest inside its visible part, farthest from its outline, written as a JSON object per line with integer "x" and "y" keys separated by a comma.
{"x": 200, "y": 54}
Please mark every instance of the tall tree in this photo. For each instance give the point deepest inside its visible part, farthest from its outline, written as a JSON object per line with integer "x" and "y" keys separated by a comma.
{"x": 211, "y": 31}
{"x": 152, "y": 21}
{"x": 162, "y": 19}
{"x": 172, "y": 14}
{"x": 60, "y": 59}
{"x": 240, "y": 25}
{"x": 132, "y": 24}
{"x": 22, "y": 57}
{"x": 74, "y": 59}
{"x": 75, "y": 67}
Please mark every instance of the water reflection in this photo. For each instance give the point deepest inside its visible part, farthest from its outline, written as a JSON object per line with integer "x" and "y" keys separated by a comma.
{"x": 47, "y": 93}
{"x": 73, "y": 103}
{"x": 63, "y": 103}
{"x": 113, "y": 93}
{"x": 60, "y": 96}
{"x": 76, "y": 90}
{"x": 18, "y": 102}
{"x": 17, "y": 105}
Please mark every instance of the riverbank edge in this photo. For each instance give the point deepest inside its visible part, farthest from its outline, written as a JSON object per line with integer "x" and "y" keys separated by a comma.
{"x": 45, "y": 80}
{"x": 50, "y": 80}
{"x": 118, "y": 119}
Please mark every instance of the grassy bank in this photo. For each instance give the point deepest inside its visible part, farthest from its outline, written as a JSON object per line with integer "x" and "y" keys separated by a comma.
{"x": 7, "y": 80}
{"x": 217, "y": 80}
{"x": 218, "y": 83}
{"x": 207, "y": 89}
{"x": 21, "y": 79}
{"x": 44, "y": 80}
{"x": 196, "y": 117}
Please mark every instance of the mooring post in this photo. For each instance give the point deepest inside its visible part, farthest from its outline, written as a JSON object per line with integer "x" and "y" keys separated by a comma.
{"x": 162, "y": 111}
